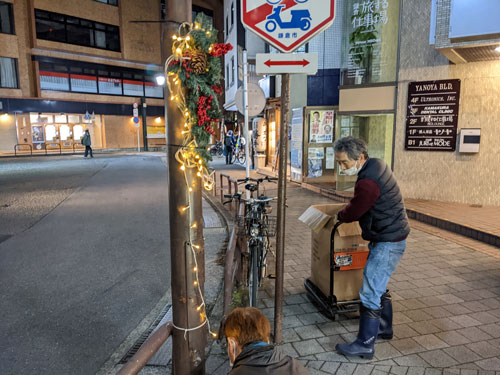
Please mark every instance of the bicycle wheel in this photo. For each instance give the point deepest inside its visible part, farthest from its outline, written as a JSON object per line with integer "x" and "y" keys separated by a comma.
{"x": 233, "y": 157}
{"x": 241, "y": 157}
{"x": 253, "y": 275}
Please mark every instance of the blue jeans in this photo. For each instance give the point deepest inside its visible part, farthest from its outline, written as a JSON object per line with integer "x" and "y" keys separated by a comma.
{"x": 381, "y": 263}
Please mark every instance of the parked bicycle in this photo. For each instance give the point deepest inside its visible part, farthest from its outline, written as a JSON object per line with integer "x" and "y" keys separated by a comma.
{"x": 217, "y": 149}
{"x": 239, "y": 151}
{"x": 258, "y": 227}
{"x": 239, "y": 155}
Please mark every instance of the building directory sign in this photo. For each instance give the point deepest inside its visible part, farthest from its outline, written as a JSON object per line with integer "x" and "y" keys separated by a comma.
{"x": 432, "y": 115}
{"x": 287, "y": 24}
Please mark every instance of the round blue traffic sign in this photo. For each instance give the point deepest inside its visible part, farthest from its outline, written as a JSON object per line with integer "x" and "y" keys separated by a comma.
{"x": 136, "y": 120}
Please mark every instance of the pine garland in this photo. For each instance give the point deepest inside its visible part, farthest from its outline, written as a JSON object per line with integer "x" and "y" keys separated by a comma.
{"x": 197, "y": 65}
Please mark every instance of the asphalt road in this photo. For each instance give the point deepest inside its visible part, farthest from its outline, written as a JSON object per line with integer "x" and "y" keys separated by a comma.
{"x": 83, "y": 258}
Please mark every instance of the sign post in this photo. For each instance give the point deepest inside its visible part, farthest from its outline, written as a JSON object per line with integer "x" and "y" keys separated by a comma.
{"x": 286, "y": 25}
{"x": 135, "y": 112}
{"x": 245, "y": 115}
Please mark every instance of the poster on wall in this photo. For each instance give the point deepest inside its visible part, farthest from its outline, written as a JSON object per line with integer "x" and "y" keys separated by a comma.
{"x": 156, "y": 131}
{"x": 330, "y": 158}
{"x": 296, "y": 144}
{"x": 432, "y": 115}
{"x": 316, "y": 153}
{"x": 37, "y": 134}
{"x": 321, "y": 126}
{"x": 315, "y": 167}
{"x": 315, "y": 156}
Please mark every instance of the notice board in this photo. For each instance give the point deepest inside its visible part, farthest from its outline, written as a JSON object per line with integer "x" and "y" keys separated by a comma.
{"x": 432, "y": 115}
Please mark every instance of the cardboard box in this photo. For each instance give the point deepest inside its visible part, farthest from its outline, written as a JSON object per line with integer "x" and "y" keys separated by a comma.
{"x": 347, "y": 243}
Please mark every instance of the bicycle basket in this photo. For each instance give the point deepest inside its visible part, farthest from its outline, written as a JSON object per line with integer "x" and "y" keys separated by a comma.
{"x": 271, "y": 225}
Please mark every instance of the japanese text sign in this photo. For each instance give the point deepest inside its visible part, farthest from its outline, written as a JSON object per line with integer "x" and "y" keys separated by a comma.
{"x": 432, "y": 117}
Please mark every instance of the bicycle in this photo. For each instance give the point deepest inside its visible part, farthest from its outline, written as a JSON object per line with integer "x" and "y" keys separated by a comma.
{"x": 217, "y": 149}
{"x": 258, "y": 227}
{"x": 239, "y": 155}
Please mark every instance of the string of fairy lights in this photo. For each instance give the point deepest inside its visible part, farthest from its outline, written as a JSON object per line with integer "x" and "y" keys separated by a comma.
{"x": 188, "y": 155}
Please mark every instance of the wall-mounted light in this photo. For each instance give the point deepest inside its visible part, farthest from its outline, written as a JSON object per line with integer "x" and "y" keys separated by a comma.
{"x": 4, "y": 116}
{"x": 158, "y": 120}
{"x": 497, "y": 49}
{"x": 160, "y": 79}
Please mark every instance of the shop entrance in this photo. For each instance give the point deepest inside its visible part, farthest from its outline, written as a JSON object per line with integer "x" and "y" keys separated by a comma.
{"x": 62, "y": 132}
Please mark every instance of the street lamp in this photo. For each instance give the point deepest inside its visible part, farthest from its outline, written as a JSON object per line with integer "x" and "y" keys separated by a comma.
{"x": 160, "y": 79}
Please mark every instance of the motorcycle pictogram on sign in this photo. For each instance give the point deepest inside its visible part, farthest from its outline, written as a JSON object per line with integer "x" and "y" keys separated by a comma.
{"x": 287, "y": 24}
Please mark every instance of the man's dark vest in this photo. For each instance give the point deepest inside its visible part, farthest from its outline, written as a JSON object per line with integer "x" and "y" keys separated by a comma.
{"x": 386, "y": 221}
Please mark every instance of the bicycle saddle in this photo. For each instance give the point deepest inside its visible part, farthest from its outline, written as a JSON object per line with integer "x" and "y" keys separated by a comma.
{"x": 251, "y": 187}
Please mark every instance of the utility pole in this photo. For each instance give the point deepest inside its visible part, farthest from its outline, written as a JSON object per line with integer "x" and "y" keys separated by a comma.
{"x": 245, "y": 115}
{"x": 280, "y": 238}
{"x": 188, "y": 349}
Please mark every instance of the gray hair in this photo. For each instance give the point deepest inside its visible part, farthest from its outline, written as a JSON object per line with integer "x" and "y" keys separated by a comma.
{"x": 353, "y": 147}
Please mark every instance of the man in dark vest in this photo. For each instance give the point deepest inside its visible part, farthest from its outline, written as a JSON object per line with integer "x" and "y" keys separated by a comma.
{"x": 378, "y": 206}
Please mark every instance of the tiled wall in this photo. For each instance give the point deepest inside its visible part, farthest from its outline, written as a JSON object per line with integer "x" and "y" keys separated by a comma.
{"x": 448, "y": 176}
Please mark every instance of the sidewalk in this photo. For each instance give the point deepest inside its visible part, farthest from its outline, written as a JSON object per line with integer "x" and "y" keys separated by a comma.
{"x": 476, "y": 222}
{"x": 446, "y": 293}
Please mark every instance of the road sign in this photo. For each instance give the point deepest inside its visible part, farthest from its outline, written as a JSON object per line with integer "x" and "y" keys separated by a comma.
{"x": 135, "y": 112}
{"x": 287, "y": 24}
{"x": 135, "y": 105}
{"x": 277, "y": 63}
{"x": 256, "y": 100}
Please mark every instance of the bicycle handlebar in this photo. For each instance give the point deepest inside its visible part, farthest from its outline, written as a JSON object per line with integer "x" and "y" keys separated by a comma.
{"x": 248, "y": 201}
{"x": 257, "y": 180}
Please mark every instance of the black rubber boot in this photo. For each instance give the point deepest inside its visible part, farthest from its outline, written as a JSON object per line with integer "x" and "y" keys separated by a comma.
{"x": 363, "y": 346}
{"x": 385, "y": 331}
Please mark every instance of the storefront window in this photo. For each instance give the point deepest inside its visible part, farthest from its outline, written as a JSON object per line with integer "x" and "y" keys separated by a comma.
{"x": 371, "y": 41}
{"x": 375, "y": 130}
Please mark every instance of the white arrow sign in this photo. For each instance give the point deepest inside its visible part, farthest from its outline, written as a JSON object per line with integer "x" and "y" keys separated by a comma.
{"x": 278, "y": 63}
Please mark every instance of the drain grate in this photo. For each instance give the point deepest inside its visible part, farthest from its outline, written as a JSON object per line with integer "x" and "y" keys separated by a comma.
{"x": 144, "y": 336}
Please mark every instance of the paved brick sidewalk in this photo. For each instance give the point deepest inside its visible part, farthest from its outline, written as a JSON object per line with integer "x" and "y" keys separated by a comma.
{"x": 446, "y": 301}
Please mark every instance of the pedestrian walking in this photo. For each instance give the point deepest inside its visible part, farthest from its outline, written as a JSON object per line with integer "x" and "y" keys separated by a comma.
{"x": 378, "y": 206}
{"x": 86, "y": 141}
{"x": 229, "y": 144}
{"x": 247, "y": 332}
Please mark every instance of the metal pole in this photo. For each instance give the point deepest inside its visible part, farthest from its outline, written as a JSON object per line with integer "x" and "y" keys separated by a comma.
{"x": 280, "y": 237}
{"x": 144, "y": 123}
{"x": 188, "y": 349}
{"x": 245, "y": 114}
{"x": 138, "y": 141}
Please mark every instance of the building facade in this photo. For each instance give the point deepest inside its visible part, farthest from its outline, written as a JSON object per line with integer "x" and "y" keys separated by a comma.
{"x": 458, "y": 41}
{"x": 69, "y": 66}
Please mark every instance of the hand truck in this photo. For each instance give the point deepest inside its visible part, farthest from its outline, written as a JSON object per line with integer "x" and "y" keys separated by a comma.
{"x": 338, "y": 262}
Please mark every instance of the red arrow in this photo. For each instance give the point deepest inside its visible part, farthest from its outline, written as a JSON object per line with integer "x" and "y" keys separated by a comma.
{"x": 259, "y": 14}
{"x": 270, "y": 63}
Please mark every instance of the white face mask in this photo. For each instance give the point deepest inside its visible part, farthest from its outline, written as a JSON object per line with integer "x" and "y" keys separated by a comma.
{"x": 353, "y": 171}
{"x": 233, "y": 344}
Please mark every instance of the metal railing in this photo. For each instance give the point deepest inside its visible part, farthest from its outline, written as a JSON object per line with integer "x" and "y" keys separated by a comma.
{"x": 231, "y": 182}
{"x": 147, "y": 350}
{"x": 82, "y": 148}
{"x": 22, "y": 144}
{"x": 233, "y": 260}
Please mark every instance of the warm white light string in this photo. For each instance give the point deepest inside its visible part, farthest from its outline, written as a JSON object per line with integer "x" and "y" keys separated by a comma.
{"x": 187, "y": 157}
